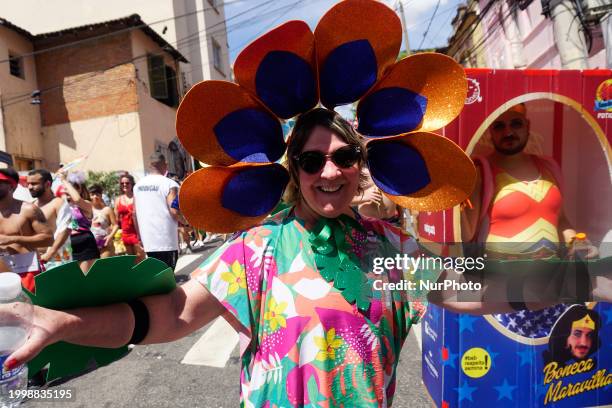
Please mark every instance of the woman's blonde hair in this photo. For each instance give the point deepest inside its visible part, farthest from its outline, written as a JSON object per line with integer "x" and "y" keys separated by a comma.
{"x": 300, "y": 134}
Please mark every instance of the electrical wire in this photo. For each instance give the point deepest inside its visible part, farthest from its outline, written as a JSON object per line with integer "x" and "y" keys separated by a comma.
{"x": 26, "y": 96}
{"x": 190, "y": 39}
{"x": 429, "y": 25}
{"x": 77, "y": 42}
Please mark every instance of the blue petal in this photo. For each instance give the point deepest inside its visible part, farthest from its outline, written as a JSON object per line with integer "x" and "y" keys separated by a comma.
{"x": 391, "y": 111}
{"x": 255, "y": 191}
{"x": 396, "y": 168}
{"x": 347, "y": 73}
{"x": 286, "y": 84}
{"x": 250, "y": 135}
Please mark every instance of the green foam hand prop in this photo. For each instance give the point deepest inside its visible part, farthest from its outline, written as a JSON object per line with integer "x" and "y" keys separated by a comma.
{"x": 110, "y": 280}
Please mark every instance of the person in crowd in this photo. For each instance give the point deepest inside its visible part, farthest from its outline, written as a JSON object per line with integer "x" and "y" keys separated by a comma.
{"x": 23, "y": 229}
{"x": 517, "y": 210}
{"x": 104, "y": 224}
{"x": 508, "y": 175}
{"x": 157, "y": 219}
{"x": 184, "y": 229}
{"x": 124, "y": 212}
{"x": 57, "y": 212}
{"x": 84, "y": 247}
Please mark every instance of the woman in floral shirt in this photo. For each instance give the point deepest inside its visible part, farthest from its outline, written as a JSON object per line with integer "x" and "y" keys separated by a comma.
{"x": 302, "y": 342}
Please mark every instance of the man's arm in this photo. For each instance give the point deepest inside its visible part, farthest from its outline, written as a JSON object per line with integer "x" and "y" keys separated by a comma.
{"x": 169, "y": 199}
{"x": 471, "y": 214}
{"x": 42, "y": 234}
{"x": 492, "y": 298}
{"x": 171, "y": 316}
{"x": 135, "y": 218}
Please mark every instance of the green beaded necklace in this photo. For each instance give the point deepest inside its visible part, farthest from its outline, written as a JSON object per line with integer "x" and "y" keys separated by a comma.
{"x": 336, "y": 263}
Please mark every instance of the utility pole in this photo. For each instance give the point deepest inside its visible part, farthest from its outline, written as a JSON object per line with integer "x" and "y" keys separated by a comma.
{"x": 405, "y": 28}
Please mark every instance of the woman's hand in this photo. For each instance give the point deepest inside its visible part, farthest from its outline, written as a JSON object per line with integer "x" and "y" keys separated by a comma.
{"x": 47, "y": 325}
{"x": 373, "y": 196}
{"x": 44, "y": 258}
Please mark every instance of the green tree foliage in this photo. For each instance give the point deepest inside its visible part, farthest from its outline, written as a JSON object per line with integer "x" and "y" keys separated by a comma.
{"x": 109, "y": 180}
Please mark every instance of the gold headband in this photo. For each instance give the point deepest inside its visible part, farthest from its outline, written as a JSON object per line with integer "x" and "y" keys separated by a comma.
{"x": 586, "y": 321}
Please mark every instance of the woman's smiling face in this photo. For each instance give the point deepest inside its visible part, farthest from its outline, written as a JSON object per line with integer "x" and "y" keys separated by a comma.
{"x": 328, "y": 192}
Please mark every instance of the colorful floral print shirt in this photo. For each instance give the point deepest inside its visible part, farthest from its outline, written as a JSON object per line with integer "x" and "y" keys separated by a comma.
{"x": 302, "y": 343}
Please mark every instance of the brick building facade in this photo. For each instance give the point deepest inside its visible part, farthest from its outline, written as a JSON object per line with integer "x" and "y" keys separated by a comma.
{"x": 108, "y": 91}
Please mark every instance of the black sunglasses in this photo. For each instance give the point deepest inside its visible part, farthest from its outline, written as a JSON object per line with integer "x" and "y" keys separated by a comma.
{"x": 514, "y": 124}
{"x": 313, "y": 161}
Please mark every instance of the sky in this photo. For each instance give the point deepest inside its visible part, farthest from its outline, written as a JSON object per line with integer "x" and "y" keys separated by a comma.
{"x": 248, "y": 19}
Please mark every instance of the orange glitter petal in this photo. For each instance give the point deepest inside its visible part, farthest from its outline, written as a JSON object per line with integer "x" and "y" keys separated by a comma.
{"x": 292, "y": 36}
{"x": 435, "y": 76}
{"x": 352, "y": 20}
{"x": 452, "y": 173}
{"x": 201, "y": 109}
{"x": 200, "y": 200}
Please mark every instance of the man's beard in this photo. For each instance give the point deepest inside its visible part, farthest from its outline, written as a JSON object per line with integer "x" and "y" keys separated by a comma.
{"x": 4, "y": 193}
{"x": 37, "y": 193}
{"x": 509, "y": 151}
{"x": 583, "y": 350}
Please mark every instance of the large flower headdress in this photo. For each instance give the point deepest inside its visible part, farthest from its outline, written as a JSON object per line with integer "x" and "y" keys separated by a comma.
{"x": 235, "y": 128}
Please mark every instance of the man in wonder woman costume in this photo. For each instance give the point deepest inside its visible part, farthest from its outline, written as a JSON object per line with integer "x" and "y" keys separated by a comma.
{"x": 297, "y": 286}
{"x": 517, "y": 211}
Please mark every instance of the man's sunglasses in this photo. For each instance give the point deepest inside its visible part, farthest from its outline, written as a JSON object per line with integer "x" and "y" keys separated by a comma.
{"x": 313, "y": 161}
{"x": 514, "y": 124}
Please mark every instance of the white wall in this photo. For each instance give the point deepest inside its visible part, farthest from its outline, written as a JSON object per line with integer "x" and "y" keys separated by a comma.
{"x": 157, "y": 120}
{"x": 21, "y": 127}
{"x": 111, "y": 143}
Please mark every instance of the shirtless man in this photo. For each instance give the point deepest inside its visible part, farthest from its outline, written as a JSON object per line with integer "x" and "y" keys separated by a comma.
{"x": 57, "y": 212}
{"x": 23, "y": 228}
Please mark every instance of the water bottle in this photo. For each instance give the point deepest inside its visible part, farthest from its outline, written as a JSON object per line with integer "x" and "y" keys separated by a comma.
{"x": 582, "y": 279}
{"x": 15, "y": 324}
{"x": 581, "y": 246}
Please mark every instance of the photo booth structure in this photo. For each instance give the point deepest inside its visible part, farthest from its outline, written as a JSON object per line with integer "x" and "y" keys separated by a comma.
{"x": 478, "y": 361}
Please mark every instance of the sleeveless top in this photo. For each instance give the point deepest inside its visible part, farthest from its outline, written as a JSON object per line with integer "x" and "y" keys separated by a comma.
{"x": 125, "y": 211}
{"x": 80, "y": 223}
{"x": 99, "y": 226}
{"x": 99, "y": 219}
{"x": 524, "y": 215}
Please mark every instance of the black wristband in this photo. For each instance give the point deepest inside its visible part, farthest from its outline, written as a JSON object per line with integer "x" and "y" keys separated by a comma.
{"x": 141, "y": 320}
